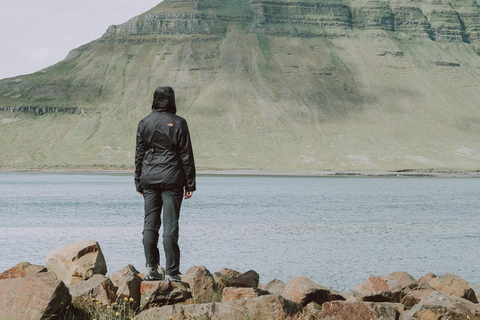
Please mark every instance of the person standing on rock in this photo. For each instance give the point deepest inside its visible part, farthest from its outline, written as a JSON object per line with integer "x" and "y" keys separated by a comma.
{"x": 164, "y": 175}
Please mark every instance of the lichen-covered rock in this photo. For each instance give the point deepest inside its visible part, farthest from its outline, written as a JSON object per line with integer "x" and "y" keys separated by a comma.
{"x": 97, "y": 289}
{"x": 37, "y": 296}
{"x": 204, "y": 287}
{"x": 225, "y": 275}
{"x": 22, "y": 270}
{"x": 233, "y": 293}
{"x": 303, "y": 290}
{"x": 127, "y": 281}
{"x": 77, "y": 261}
{"x": 441, "y": 306}
{"x": 415, "y": 295}
{"x": 269, "y": 307}
{"x": 164, "y": 293}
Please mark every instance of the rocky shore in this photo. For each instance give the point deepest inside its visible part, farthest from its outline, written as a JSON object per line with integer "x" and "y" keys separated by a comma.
{"x": 73, "y": 285}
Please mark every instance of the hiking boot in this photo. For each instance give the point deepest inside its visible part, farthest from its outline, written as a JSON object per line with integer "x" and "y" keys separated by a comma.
{"x": 174, "y": 278}
{"x": 152, "y": 274}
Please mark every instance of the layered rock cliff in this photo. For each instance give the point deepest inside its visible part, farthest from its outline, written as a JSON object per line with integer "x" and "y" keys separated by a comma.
{"x": 284, "y": 85}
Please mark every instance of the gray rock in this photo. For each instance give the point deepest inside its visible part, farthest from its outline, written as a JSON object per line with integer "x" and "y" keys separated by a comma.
{"x": 275, "y": 286}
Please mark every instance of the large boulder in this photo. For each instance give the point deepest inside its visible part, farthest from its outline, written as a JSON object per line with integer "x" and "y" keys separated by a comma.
{"x": 37, "y": 296}
{"x": 303, "y": 290}
{"x": 22, "y": 270}
{"x": 225, "y": 275}
{"x": 268, "y": 307}
{"x": 204, "y": 287}
{"x": 453, "y": 285}
{"x": 358, "y": 310}
{"x": 98, "y": 289}
{"x": 388, "y": 288}
{"x": 127, "y": 281}
{"x": 441, "y": 306}
{"x": 164, "y": 293}
{"x": 77, "y": 261}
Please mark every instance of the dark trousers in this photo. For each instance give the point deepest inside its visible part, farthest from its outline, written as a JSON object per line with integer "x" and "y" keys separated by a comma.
{"x": 170, "y": 201}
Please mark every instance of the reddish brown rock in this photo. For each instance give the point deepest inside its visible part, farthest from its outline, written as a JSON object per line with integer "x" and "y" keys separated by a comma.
{"x": 22, "y": 270}
{"x": 127, "y": 281}
{"x": 164, "y": 292}
{"x": 118, "y": 277}
{"x": 77, "y": 261}
{"x": 346, "y": 310}
{"x": 453, "y": 285}
{"x": 98, "y": 288}
{"x": 389, "y": 288}
{"x": 438, "y": 306}
{"x": 37, "y": 296}
{"x": 303, "y": 290}
{"x": 248, "y": 279}
{"x": 426, "y": 278}
{"x": 268, "y": 307}
{"x": 233, "y": 293}
{"x": 203, "y": 285}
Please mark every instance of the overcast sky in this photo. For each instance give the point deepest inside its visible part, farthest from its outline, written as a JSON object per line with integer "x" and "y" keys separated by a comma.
{"x": 35, "y": 34}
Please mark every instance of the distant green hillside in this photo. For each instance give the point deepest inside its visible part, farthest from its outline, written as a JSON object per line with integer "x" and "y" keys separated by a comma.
{"x": 263, "y": 84}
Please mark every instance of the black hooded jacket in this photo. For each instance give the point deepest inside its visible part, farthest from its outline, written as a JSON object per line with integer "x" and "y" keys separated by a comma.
{"x": 164, "y": 155}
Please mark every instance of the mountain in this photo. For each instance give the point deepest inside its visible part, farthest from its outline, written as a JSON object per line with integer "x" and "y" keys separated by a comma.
{"x": 271, "y": 85}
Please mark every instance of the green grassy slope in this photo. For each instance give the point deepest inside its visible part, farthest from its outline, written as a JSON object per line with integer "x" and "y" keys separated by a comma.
{"x": 293, "y": 87}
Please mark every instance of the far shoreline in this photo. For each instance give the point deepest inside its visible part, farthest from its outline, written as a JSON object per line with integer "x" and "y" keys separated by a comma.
{"x": 267, "y": 173}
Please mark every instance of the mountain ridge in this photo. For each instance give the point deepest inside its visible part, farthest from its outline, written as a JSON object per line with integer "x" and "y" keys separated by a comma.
{"x": 280, "y": 85}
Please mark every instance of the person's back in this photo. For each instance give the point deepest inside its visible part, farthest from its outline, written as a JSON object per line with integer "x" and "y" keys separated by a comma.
{"x": 164, "y": 167}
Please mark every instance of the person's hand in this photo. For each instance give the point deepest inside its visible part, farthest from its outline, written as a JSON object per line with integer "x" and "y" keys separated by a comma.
{"x": 141, "y": 193}
{"x": 188, "y": 194}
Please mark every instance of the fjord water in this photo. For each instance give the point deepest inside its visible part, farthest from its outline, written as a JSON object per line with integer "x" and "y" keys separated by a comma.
{"x": 337, "y": 231}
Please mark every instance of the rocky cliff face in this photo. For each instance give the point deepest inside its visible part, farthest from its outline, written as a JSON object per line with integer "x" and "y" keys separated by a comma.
{"x": 438, "y": 20}
{"x": 283, "y": 85}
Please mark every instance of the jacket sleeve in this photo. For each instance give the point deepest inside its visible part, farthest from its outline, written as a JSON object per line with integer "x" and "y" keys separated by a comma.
{"x": 186, "y": 156}
{"x": 139, "y": 155}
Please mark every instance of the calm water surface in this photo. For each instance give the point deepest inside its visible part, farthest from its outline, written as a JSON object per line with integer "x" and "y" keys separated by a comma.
{"x": 336, "y": 231}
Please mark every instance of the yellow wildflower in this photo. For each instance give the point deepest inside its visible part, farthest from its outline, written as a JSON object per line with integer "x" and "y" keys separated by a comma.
{"x": 147, "y": 299}
{"x": 131, "y": 299}
{"x": 117, "y": 314}
{"x": 126, "y": 299}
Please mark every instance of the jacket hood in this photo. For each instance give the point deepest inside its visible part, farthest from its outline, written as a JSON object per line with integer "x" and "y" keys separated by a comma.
{"x": 164, "y": 100}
